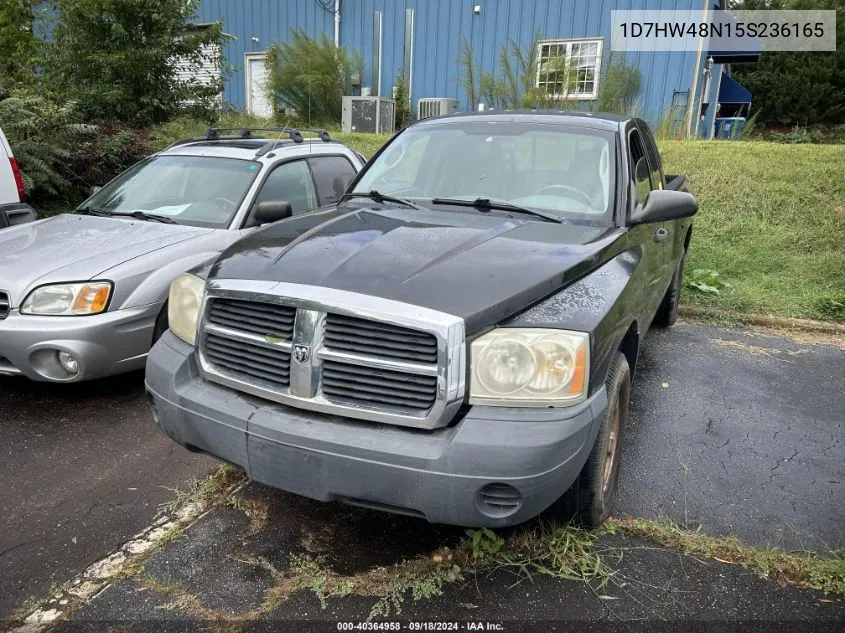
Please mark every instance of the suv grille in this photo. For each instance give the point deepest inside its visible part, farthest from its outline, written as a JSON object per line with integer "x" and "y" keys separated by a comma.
{"x": 5, "y": 304}
{"x": 323, "y": 358}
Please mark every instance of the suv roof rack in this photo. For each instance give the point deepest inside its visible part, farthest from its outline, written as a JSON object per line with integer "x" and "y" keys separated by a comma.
{"x": 214, "y": 134}
{"x": 295, "y": 134}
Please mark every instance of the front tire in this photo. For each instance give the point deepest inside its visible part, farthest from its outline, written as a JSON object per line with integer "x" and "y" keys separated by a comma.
{"x": 667, "y": 313}
{"x": 590, "y": 499}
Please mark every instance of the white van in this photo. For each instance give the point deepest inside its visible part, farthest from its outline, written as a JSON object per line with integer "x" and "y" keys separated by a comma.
{"x": 13, "y": 210}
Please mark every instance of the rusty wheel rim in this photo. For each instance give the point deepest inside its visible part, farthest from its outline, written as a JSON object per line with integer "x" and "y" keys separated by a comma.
{"x": 610, "y": 453}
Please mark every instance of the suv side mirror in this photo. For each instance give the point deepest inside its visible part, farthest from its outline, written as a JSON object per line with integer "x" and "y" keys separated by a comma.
{"x": 341, "y": 183}
{"x": 663, "y": 204}
{"x": 271, "y": 211}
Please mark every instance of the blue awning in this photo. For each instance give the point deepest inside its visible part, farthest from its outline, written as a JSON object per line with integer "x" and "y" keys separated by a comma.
{"x": 731, "y": 91}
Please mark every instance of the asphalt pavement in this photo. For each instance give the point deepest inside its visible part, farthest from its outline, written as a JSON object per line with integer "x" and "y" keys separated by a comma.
{"x": 83, "y": 468}
{"x": 731, "y": 432}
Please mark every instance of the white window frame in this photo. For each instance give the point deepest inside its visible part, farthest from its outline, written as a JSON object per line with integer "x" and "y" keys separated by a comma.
{"x": 248, "y": 57}
{"x": 574, "y": 95}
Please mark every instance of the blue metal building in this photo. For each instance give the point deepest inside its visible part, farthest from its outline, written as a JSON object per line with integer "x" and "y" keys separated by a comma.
{"x": 424, "y": 38}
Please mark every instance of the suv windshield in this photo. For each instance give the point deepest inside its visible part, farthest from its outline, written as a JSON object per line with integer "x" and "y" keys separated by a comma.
{"x": 552, "y": 168}
{"x": 194, "y": 190}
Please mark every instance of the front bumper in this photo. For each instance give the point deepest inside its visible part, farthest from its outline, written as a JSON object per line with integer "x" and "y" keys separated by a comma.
{"x": 102, "y": 344}
{"x": 443, "y": 475}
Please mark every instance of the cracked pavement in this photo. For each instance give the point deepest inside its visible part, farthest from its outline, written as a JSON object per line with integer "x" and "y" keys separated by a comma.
{"x": 747, "y": 439}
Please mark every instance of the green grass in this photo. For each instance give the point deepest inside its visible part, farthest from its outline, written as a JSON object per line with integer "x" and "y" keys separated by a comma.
{"x": 771, "y": 218}
{"x": 771, "y": 221}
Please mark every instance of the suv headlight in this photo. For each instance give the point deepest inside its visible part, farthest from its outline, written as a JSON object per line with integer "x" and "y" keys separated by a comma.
{"x": 529, "y": 367}
{"x": 68, "y": 299}
{"x": 183, "y": 306}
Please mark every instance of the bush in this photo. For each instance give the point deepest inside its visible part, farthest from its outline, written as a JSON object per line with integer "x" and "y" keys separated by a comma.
{"x": 619, "y": 87}
{"x": 310, "y": 76}
{"x": 103, "y": 156}
{"x": 120, "y": 59}
{"x": 404, "y": 117}
{"x": 45, "y": 137}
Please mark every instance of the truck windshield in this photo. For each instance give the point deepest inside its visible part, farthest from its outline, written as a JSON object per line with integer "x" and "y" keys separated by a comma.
{"x": 194, "y": 190}
{"x": 551, "y": 168}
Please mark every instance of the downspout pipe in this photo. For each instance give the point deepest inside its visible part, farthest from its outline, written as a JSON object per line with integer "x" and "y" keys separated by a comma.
{"x": 692, "y": 92}
{"x": 337, "y": 23}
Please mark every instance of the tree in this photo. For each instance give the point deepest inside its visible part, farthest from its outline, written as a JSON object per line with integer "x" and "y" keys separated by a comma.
{"x": 18, "y": 44}
{"x": 120, "y": 59}
{"x": 801, "y": 88}
{"x": 404, "y": 116}
{"x": 310, "y": 76}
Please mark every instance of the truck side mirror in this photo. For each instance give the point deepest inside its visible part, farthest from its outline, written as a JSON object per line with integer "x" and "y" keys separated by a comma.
{"x": 662, "y": 205}
{"x": 271, "y": 211}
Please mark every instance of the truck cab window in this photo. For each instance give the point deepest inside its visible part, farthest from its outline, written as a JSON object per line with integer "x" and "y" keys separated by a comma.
{"x": 641, "y": 169}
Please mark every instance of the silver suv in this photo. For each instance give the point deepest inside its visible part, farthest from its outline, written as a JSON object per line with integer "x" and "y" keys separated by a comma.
{"x": 84, "y": 294}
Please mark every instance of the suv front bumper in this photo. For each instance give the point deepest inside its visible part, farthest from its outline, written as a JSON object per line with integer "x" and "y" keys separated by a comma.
{"x": 102, "y": 344}
{"x": 526, "y": 457}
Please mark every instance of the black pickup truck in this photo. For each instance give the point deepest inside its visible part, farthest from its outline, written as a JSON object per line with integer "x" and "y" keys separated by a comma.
{"x": 456, "y": 339}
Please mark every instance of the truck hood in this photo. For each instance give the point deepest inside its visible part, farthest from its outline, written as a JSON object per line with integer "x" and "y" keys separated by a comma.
{"x": 77, "y": 248}
{"x": 481, "y": 267}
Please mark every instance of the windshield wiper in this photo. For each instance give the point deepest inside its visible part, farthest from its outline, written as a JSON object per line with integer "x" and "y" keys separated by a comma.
{"x": 485, "y": 204}
{"x": 140, "y": 215}
{"x": 381, "y": 198}
{"x": 92, "y": 211}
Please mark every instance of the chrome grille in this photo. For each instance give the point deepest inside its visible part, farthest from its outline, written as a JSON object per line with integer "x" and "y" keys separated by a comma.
{"x": 368, "y": 386}
{"x": 5, "y": 304}
{"x": 262, "y": 364}
{"x": 361, "y": 336}
{"x": 334, "y": 351}
{"x": 265, "y": 319}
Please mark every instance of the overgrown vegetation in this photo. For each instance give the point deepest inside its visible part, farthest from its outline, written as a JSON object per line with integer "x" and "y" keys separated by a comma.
{"x": 771, "y": 222}
{"x": 307, "y": 78}
{"x": 76, "y": 108}
{"x": 18, "y": 44}
{"x": 43, "y": 133}
{"x": 118, "y": 59}
{"x": 404, "y": 116}
{"x": 806, "y": 570}
{"x": 798, "y": 88}
{"x": 619, "y": 86}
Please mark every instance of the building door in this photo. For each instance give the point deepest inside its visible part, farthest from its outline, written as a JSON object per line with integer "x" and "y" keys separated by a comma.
{"x": 257, "y": 100}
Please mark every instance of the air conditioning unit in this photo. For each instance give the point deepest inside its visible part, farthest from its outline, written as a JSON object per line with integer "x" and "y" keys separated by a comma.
{"x": 435, "y": 106}
{"x": 368, "y": 114}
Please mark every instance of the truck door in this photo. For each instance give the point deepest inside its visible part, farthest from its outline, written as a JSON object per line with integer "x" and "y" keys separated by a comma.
{"x": 673, "y": 242}
{"x": 651, "y": 236}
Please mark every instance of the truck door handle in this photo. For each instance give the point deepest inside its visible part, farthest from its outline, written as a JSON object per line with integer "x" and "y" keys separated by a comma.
{"x": 660, "y": 234}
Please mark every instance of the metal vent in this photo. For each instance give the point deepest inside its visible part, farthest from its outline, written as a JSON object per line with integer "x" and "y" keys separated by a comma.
{"x": 5, "y": 305}
{"x": 435, "y": 106}
{"x": 371, "y": 338}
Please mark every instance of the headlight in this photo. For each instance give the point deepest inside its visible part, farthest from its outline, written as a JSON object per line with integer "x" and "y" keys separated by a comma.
{"x": 529, "y": 367}
{"x": 183, "y": 306}
{"x": 68, "y": 299}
